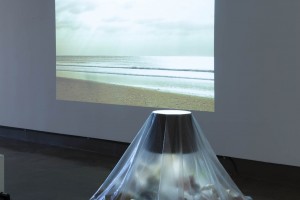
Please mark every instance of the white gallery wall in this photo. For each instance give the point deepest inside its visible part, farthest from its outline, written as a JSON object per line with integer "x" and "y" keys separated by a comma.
{"x": 257, "y": 80}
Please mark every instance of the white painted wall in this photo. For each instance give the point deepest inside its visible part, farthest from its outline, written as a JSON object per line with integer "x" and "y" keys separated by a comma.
{"x": 257, "y": 69}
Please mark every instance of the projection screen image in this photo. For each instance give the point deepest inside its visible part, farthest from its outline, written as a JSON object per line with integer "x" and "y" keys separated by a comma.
{"x": 149, "y": 53}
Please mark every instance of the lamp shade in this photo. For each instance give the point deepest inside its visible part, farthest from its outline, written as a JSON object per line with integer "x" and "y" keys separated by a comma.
{"x": 169, "y": 159}
{"x": 171, "y": 131}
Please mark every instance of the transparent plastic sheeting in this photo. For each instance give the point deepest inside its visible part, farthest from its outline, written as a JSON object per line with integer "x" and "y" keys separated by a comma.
{"x": 169, "y": 159}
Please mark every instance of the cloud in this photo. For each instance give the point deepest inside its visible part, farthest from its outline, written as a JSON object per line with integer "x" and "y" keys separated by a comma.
{"x": 67, "y": 24}
{"x": 112, "y": 28}
{"x": 165, "y": 27}
{"x": 73, "y": 7}
{"x": 68, "y": 12}
{"x": 130, "y": 25}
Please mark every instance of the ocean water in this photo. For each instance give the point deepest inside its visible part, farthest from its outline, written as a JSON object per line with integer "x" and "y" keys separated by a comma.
{"x": 191, "y": 75}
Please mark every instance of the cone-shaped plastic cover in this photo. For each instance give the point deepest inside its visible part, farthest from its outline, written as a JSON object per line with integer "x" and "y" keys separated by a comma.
{"x": 169, "y": 159}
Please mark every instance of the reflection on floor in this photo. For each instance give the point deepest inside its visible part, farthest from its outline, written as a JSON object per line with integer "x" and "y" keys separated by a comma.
{"x": 41, "y": 172}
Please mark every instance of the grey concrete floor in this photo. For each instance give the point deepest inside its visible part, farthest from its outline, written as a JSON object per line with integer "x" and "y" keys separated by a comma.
{"x": 41, "y": 172}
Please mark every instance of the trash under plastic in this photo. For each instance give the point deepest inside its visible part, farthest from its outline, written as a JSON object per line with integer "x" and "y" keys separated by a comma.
{"x": 169, "y": 159}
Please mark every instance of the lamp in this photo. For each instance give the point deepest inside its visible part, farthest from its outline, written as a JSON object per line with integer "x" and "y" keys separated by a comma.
{"x": 169, "y": 159}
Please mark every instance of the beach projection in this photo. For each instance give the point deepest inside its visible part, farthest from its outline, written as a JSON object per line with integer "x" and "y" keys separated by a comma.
{"x": 150, "y": 53}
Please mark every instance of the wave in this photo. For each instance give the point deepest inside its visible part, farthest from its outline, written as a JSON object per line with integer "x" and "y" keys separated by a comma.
{"x": 142, "y": 68}
{"x": 140, "y": 75}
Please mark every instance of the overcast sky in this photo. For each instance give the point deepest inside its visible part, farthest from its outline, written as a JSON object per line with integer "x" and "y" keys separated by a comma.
{"x": 135, "y": 27}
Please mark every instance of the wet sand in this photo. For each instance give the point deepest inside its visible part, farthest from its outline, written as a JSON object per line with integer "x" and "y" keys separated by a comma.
{"x": 87, "y": 91}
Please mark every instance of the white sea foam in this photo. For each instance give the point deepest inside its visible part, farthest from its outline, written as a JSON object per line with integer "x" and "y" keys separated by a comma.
{"x": 183, "y": 75}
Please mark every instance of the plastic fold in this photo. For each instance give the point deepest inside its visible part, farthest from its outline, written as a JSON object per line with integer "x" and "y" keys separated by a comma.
{"x": 169, "y": 159}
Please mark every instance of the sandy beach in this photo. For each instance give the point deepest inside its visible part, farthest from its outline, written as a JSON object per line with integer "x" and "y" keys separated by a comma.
{"x": 88, "y": 91}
